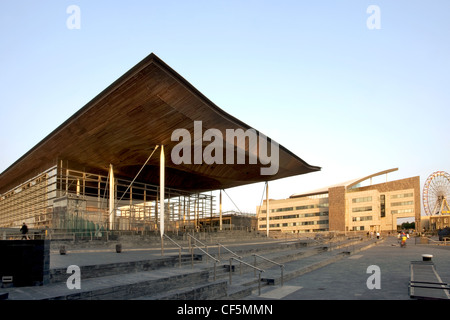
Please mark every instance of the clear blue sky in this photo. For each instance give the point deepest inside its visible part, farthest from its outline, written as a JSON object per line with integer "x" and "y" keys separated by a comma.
{"x": 309, "y": 74}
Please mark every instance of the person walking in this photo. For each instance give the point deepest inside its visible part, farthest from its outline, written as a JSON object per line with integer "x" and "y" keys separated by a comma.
{"x": 24, "y": 231}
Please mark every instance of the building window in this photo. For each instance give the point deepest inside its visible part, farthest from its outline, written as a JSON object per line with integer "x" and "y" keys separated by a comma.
{"x": 362, "y": 199}
{"x": 403, "y": 203}
{"x": 296, "y": 216}
{"x": 404, "y": 195}
{"x": 402, "y": 211}
{"x": 311, "y": 206}
{"x": 362, "y": 209}
{"x": 283, "y": 209}
{"x": 365, "y": 218}
{"x": 382, "y": 205}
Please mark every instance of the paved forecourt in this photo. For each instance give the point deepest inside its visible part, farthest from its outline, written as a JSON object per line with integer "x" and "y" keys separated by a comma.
{"x": 349, "y": 278}
{"x": 353, "y": 278}
{"x": 102, "y": 269}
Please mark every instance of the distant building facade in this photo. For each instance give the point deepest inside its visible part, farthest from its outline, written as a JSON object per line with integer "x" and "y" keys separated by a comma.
{"x": 231, "y": 220}
{"x": 345, "y": 207}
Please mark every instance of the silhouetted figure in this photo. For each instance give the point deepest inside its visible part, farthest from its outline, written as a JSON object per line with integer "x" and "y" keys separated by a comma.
{"x": 24, "y": 231}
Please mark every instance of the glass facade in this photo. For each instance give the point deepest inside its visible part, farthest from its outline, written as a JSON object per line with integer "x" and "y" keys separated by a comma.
{"x": 304, "y": 214}
{"x": 69, "y": 199}
{"x": 369, "y": 208}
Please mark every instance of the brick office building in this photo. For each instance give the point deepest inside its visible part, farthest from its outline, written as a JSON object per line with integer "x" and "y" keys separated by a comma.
{"x": 348, "y": 206}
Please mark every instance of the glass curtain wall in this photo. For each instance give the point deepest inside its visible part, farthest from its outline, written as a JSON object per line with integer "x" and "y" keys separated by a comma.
{"x": 75, "y": 200}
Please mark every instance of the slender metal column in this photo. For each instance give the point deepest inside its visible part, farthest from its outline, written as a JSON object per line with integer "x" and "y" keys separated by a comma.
{"x": 112, "y": 198}
{"x": 220, "y": 210}
{"x": 267, "y": 208}
{"x": 78, "y": 187}
{"x": 161, "y": 190}
{"x": 156, "y": 208}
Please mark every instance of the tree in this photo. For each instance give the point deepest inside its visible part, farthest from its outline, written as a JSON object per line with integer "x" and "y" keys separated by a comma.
{"x": 408, "y": 225}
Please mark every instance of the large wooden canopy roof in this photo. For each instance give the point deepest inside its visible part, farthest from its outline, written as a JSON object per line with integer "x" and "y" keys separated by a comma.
{"x": 123, "y": 124}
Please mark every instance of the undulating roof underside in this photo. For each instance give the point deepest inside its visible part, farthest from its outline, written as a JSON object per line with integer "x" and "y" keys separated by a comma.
{"x": 123, "y": 124}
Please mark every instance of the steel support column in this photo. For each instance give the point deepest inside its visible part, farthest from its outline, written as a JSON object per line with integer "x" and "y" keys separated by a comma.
{"x": 161, "y": 190}
{"x": 267, "y": 208}
{"x": 220, "y": 211}
{"x": 112, "y": 198}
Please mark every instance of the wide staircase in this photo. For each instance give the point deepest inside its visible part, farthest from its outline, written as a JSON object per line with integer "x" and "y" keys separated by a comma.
{"x": 190, "y": 267}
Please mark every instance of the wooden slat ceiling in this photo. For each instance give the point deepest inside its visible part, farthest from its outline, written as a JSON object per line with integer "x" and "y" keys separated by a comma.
{"x": 123, "y": 123}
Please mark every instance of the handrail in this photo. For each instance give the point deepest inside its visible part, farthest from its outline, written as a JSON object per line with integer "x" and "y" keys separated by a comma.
{"x": 233, "y": 253}
{"x": 445, "y": 240}
{"x": 434, "y": 242}
{"x": 271, "y": 261}
{"x": 197, "y": 239}
{"x": 48, "y": 234}
{"x": 195, "y": 244}
{"x": 215, "y": 260}
{"x": 264, "y": 258}
{"x": 173, "y": 241}
{"x": 247, "y": 264}
{"x": 179, "y": 247}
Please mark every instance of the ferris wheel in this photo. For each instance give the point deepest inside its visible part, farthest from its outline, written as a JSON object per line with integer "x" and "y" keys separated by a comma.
{"x": 436, "y": 193}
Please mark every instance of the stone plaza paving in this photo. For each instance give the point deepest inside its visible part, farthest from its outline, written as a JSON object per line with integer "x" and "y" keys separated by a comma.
{"x": 332, "y": 275}
{"x": 347, "y": 278}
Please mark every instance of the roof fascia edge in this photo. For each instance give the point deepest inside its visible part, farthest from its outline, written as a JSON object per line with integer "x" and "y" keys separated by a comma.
{"x": 371, "y": 176}
{"x": 142, "y": 64}
{"x": 151, "y": 58}
{"x": 180, "y": 79}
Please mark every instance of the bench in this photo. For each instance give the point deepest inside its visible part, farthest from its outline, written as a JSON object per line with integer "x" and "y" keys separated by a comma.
{"x": 425, "y": 282}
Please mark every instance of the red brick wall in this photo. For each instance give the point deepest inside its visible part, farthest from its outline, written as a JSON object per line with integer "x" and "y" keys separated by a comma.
{"x": 336, "y": 213}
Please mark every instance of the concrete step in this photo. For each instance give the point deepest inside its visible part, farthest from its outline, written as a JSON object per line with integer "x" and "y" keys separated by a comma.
{"x": 281, "y": 254}
{"x": 108, "y": 269}
{"x": 122, "y": 287}
{"x": 139, "y": 240}
{"x": 162, "y": 278}
{"x": 294, "y": 269}
{"x": 247, "y": 284}
{"x": 244, "y": 285}
{"x": 215, "y": 290}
